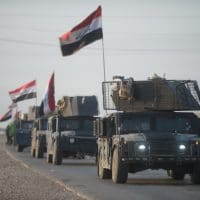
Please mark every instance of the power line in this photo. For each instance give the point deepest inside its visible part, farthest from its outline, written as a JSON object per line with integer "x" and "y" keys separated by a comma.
{"x": 27, "y": 42}
{"x": 120, "y": 50}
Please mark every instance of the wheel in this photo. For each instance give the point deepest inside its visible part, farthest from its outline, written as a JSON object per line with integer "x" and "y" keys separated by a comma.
{"x": 102, "y": 172}
{"x": 32, "y": 152}
{"x": 119, "y": 169}
{"x": 177, "y": 174}
{"x": 39, "y": 152}
{"x": 195, "y": 176}
{"x": 14, "y": 141}
{"x": 57, "y": 152}
{"x": 48, "y": 156}
{"x": 20, "y": 148}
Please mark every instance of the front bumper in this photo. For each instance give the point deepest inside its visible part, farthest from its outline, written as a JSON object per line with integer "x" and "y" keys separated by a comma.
{"x": 23, "y": 139}
{"x": 77, "y": 144}
{"x": 161, "y": 158}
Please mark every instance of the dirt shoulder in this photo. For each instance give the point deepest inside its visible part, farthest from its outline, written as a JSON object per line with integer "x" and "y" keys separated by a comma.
{"x": 20, "y": 183}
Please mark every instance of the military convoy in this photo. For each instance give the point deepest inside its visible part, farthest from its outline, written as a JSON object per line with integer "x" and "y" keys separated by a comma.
{"x": 149, "y": 125}
{"x": 147, "y": 132}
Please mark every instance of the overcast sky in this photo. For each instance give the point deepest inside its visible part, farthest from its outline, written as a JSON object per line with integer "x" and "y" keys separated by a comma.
{"x": 141, "y": 37}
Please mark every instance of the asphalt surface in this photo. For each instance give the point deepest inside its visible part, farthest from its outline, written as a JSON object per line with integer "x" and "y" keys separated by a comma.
{"x": 20, "y": 182}
{"x": 80, "y": 176}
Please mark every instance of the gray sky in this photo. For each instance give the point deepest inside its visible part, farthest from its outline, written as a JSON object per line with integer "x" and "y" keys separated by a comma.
{"x": 141, "y": 37}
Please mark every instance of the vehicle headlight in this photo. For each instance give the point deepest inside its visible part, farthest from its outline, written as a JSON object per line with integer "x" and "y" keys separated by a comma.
{"x": 71, "y": 140}
{"x": 182, "y": 147}
{"x": 141, "y": 147}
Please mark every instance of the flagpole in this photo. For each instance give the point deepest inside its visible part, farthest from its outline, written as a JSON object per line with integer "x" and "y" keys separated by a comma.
{"x": 17, "y": 114}
{"x": 36, "y": 101}
{"x": 104, "y": 63}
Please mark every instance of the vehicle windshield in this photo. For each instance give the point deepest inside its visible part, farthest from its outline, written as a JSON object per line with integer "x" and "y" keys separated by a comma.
{"x": 81, "y": 125}
{"x": 43, "y": 124}
{"x": 68, "y": 124}
{"x": 27, "y": 125}
{"x": 135, "y": 124}
{"x": 174, "y": 124}
{"x": 87, "y": 125}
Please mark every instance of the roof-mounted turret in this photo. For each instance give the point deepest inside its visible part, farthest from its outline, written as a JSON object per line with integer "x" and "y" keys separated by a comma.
{"x": 78, "y": 105}
{"x": 156, "y": 93}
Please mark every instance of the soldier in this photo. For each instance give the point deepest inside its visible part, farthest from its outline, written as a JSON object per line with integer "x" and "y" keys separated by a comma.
{"x": 8, "y": 137}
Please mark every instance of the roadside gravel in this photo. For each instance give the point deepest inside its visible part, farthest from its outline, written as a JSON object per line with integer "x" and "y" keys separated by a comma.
{"x": 20, "y": 183}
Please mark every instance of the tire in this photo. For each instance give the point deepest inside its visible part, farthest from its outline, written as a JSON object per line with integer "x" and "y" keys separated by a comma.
{"x": 20, "y": 148}
{"x": 14, "y": 141}
{"x": 32, "y": 152}
{"x": 177, "y": 174}
{"x": 102, "y": 172}
{"x": 39, "y": 152}
{"x": 119, "y": 170}
{"x": 48, "y": 156}
{"x": 195, "y": 176}
{"x": 57, "y": 152}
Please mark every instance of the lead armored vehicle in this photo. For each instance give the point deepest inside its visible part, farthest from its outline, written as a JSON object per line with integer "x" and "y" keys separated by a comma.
{"x": 148, "y": 129}
{"x": 70, "y": 132}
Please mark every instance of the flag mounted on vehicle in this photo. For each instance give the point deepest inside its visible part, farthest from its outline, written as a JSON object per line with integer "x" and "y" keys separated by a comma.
{"x": 6, "y": 116}
{"x": 26, "y": 91}
{"x": 88, "y": 31}
{"x": 48, "y": 103}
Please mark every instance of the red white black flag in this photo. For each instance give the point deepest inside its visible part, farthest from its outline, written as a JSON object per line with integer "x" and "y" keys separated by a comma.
{"x": 48, "y": 103}
{"x": 6, "y": 116}
{"x": 26, "y": 91}
{"x": 88, "y": 31}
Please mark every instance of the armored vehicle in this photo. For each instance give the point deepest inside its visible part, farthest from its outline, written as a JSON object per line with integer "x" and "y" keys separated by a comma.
{"x": 70, "y": 132}
{"x": 148, "y": 130}
{"x": 22, "y": 137}
{"x": 70, "y": 136}
{"x": 38, "y": 140}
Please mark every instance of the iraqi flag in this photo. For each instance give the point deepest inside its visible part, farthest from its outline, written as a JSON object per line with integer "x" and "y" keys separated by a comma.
{"x": 6, "y": 116}
{"x": 48, "y": 103}
{"x": 88, "y": 31}
{"x": 26, "y": 91}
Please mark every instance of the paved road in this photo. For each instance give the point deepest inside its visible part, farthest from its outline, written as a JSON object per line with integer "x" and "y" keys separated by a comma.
{"x": 81, "y": 175}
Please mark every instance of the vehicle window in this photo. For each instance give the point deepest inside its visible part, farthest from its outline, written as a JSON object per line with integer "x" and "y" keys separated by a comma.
{"x": 174, "y": 124}
{"x": 44, "y": 124}
{"x": 54, "y": 125}
{"x": 17, "y": 124}
{"x": 68, "y": 124}
{"x": 86, "y": 127}
{"x": 27, "y": 125}
{"x": 36, "y": 125}
{"x": 135, "y": 124}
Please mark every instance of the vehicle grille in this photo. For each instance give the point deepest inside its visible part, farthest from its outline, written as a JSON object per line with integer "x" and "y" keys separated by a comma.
{"x": 162, "y": 148}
